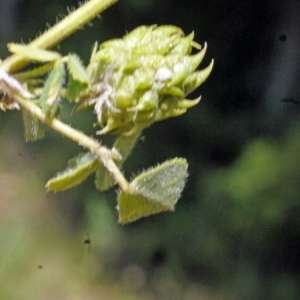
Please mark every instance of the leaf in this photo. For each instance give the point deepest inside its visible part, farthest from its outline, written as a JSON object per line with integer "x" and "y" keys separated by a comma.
{"x": 104, "y": 180}
{"x": 123, "y": 145}
{"x": 34, "y": 73}
{"x": 80, "y": 167}
{"x": 78, "y": 78}
{"x": 74, "y": 89}
{"x": 154, "y": 191}
{"x": 77, "y": 69}
{"x": 133, "y": 207}
{"x": 32, "y": 53}
{"x": 33, "y": 127}
{"x": 50, "y": 94}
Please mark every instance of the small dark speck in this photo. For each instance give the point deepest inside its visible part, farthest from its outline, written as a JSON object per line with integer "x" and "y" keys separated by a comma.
{"x": 282, "y": 38}
{"x": 87, "y": 241}
{"x": 290, "y": 100}
{"x": 40, "y": 267}
{"x": 20, "y": 154}
{"x": 159, "y": 257}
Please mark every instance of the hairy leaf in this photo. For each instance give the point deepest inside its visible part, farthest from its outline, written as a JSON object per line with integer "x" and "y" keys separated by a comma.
{"x": 154, "y": 191}
{"x": 50, "y": 94}
{"x": 33, "y": 53}
{"x": 80, "y": 167}
{"x": 78, "y": 78}
{"x": 34, "y": 130}
{"x": 34, "y": 73}
{"x": 74, "y": 89}
{"x": 77, "y": 69}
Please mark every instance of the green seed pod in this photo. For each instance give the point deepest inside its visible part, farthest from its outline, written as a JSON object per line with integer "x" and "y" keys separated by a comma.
{"x": 143, "y": 78}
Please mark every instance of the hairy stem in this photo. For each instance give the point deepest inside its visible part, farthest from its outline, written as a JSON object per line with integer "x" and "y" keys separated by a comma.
{"x": 105, "y": 155}
{"x": 59, "y": 32}
{"x": 48, "y": 39}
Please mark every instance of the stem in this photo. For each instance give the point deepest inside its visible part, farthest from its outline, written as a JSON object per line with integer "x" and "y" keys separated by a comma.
{"x": 59, "y": 32}
{"x": 50, "y": 38}
{"x": 104, "y": 154}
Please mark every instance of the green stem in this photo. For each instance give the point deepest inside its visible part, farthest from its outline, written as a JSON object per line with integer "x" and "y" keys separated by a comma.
{"x": 60, "y": 31}
{"x": 50, "y": 38}
{"x": 105, "y": 155}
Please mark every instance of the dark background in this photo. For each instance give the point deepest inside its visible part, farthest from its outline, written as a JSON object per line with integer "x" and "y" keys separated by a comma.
{"x": 235, "y": 233}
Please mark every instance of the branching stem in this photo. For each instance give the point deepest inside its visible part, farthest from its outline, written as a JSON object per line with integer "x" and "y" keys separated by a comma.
{"x": 105, "y": 155}
{"x": 48, "y": 39}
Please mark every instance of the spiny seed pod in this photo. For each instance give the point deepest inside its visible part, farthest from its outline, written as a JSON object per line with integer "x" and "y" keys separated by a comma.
{"x": 143, "y": 78}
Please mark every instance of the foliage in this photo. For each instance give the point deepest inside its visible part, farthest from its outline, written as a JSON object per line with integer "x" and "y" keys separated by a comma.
{"x": 130, "y": 83}
{"x": 244, "y": 222}
{"x": 213, "y": 241}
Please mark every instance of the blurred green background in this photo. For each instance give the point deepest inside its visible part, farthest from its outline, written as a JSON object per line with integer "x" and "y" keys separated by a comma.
{"x": 235, "y": 233}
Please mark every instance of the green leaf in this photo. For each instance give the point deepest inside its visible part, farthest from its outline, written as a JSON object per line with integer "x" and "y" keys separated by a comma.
{"x": 50, "y": 95}
{"x": 104, "y": 180}
{"x": 80, "y": 167}
{"x": 33, "y": 53}
{"x": 33, "y": 128}
{"x": 124, "y": 145}
{"x": 77, "y": 69}
{"x": 154, "y": 191}
{"x": 34, "y": 73}
{"x": 74, "y": 89}
{"x": 78, "y": 78}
